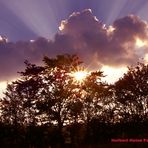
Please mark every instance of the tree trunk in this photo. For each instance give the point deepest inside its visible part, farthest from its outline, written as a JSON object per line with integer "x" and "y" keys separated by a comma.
{"x": 60, "y": 127}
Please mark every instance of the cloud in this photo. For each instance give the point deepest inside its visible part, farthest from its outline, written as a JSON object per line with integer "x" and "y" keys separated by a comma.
{"x": 13, "y": 55}
{"x": 113, "y": 45}
{"x": 82, "y": 34}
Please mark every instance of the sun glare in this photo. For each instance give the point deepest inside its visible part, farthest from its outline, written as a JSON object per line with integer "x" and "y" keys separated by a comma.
{"x": 110, "y": 29}
{"x": 61, "y": 27}
{"x": 113, "y": 74}
{"x": 140, "y": 43}
{"x": 146, "y": 58}
{"x": 3, "y": 86}
{"x": 79, "y": 75}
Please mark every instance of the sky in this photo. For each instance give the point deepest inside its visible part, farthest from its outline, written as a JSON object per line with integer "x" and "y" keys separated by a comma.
{"x": 106, "y": 34}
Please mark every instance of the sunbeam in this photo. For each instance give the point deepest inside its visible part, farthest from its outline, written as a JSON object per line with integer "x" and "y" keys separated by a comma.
{"x": 114, "y": 10}
{"x": 37, "y": 15}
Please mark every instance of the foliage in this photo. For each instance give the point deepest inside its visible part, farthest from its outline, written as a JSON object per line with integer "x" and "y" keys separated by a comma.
{"x": 46, "y": 106}
{"x": 132, "y": 92}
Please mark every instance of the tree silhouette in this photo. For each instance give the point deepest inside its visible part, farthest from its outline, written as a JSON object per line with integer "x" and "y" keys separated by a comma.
{"x": 11, "y": 106}
{"x": 57, "y": 89}
{"x": 47, "y": 106}
{"x": 132, "y": 92}
{"x": 28, "y": 89}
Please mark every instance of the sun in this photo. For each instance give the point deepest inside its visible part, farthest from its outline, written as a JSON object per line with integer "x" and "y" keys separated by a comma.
{"x": 79, "y": 76}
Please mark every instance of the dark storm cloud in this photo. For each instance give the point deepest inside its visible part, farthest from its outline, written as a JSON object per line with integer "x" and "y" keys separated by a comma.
{"x": 82, "y": 34}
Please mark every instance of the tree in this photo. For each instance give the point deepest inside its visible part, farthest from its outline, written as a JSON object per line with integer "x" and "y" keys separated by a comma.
{"x": 50, "y": 96}
{"x": 57, "y": 89}
{"x": 132, "y": 92}
{"x": 93, "y": 88}
{"x": 28, "y": 89}
{"x": 11, "y": 106}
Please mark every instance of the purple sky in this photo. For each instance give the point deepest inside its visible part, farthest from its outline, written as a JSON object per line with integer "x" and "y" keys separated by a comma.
{"x": 101, "y": 32}
{"x": 28, "y": 19}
